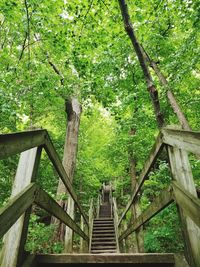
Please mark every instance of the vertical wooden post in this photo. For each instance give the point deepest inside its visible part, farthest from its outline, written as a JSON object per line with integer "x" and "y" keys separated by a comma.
{"x": 116, "y": 219}
{"x": 12, "y": 253}
{"x": 139, "y": 234}
{"x": 181, "y": 171}
{"x": 68, "y": 231}
{"x": 124, "y": 242}
{"x": 91, "y": 212}
{"x": 83, "y": 243}
{"x": 98, "y": 205}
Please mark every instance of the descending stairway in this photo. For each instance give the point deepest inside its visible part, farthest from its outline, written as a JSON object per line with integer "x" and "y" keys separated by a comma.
{"x": 104, "y": 248}
{"x": 103, "y": 234}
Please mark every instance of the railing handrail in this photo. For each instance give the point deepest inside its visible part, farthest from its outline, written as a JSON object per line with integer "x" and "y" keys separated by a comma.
{"x": 189, "y": 141}
{"x": 33, "y": 193}
{"x": 155, "y": 151}
{"x": 14, "y": 143}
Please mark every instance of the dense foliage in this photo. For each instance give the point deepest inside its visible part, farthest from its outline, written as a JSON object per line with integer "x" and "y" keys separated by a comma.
{"x": 86, "y": 42}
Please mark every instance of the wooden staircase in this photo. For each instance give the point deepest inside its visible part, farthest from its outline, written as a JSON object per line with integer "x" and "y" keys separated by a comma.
{"x": 103, "y": 238}
{"x": 101, "y": 233}
{"x": 112, "y": 260}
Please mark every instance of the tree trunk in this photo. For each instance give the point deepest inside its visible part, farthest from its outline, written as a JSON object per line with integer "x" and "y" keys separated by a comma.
{"x": 171, "y": 98}
{"x": 73, "y": 110}
{"x": 149, "y": 81}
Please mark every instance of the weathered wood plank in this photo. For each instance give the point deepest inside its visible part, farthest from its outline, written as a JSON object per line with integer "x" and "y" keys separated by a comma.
{"x": 63, "y": 175}
{"x": 115, "y": 218}
{"x": 189, "y": 203}
{"x": 14, "y": 143}
{"x": 156, "y": 149}
{"x": 180, "y": 260}
{"x": 106, "y": 258}
{"x": 159, "y": 203}
{"x": 14, "y": 240}
{"x": 91, "y": 217}
{"x": 84, "y": 245}
{"x": 187, "y": 140}
{"x": 182, "y": 173}
{"x": 46, "y": 202}
{"x": 16, "y": 207}
{"x": 30, "y": 261}
{"x": 68, "y": 231}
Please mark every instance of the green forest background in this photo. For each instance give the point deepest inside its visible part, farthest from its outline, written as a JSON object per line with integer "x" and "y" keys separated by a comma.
{"x": 85, "y": 41}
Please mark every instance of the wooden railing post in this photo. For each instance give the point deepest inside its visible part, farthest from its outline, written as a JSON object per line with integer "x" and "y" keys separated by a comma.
{"x": 68, "y": 231}
{"x": 139, "y": 235}
{"x": 83, "y": 244}
{"x": 98, "y": 205}
{"x": 181, "y": 171}
{"x": 91, "y": 211}
{"x": 12, "y": 253}
{"x": 115, "y": 217}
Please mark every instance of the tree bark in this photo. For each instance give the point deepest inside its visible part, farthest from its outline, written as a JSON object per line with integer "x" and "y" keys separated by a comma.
{"x": 149, "y": 81}
{"x": 171, "y": 98}
{"x": 73, "y": 110}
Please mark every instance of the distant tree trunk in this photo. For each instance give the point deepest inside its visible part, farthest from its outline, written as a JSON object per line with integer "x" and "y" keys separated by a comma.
{"x": 171, "y": 98}
{"x": 149, "y": 81}
{"x": 73, "y": 110}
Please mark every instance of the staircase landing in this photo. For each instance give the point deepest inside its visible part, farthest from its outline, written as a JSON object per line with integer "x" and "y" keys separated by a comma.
{"x": 142, "y": 260}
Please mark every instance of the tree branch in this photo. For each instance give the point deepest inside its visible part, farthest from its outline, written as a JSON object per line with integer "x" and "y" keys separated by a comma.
{"x": 28, "y": 31}
{"x": 57, "y": 71}
{"x": 23, "y": 47}
{"x": 84, "y": 23}
{"x": 149, "y": 81}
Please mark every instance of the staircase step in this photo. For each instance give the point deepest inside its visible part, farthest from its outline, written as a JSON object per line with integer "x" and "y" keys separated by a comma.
{"x": 103, "y": 239}
{"x": 103, "y": 228}
{"x": 103, "y": 251}
{"x": 103, "y": 231}
{"x": 104, "y": 243}
{"x": 104, "y": 247}
{"x": 103, "y": 223}
{"x": 103, "y": 220}
{"x": 141, "y": 259}
{"x": 105, "y": 236}
{"x": 99, "y": 219}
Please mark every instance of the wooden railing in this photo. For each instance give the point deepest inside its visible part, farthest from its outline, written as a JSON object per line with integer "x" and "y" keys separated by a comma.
{"x": 92, "y": 214}
{"x": 28, "y": 192}
{"x": 182, "y": 189}
{"x": 115, "y": 218}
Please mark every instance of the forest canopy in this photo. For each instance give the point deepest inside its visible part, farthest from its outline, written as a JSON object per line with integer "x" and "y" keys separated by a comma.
{"x": 53, "y": 50}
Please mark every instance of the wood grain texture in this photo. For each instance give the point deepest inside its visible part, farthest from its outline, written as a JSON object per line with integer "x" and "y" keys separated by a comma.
{"x": 16, "y": 207}
{"x": 187, "y": 140}
{"x": 46, "y": 202}
{"x": 63, "y": 175}
{"x": 107, "y": 258}
{"x": 189, "y": 203}
{"x": 14, "y": 143}
{"x": 182, "y": 174}
{"x": 15, "y": 238}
